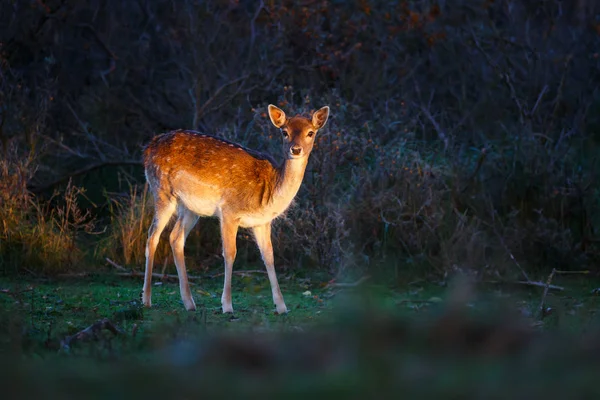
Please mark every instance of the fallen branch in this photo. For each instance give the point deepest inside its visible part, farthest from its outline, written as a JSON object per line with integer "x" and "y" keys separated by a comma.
{"x": 547, "y": 286}
{"x": 584, "y": 272}
{"x": 74, "y": 275}
{"x": 416, "y": 301}
{"x": 541, "y": 308}
{"x": 248, "y": 271}
{"x": 91, "y": 332}
{"x": 349, "y": 284}
{"x": 154, "y": 275}
{"x": 157, "y": 275}
{"x": 174, "y": 276}
{"x": 114, "y": 264}
{"x": 528, "y": 283}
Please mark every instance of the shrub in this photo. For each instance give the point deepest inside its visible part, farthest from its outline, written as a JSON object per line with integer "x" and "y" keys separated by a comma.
{"x": 38, "y": 236}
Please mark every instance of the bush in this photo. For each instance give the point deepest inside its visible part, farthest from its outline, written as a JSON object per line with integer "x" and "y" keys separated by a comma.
{"x": 37, "y": 235}
{"x": 462, "y": 135}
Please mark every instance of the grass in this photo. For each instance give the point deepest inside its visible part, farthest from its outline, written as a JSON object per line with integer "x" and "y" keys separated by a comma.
{"x": 50, "y": 310}
{"x": 376, "y": 336}
{"x": 57, "y": 308}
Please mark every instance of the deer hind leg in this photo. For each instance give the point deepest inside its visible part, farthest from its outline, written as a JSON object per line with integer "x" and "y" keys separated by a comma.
{"x": 262, "y": 234}
{"x": 229, "y": 228}
{"x": 164, "y": 209}
{"x": 186, "y": 220}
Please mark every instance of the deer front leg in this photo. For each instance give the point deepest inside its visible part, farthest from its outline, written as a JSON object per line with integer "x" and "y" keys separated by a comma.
{"x": 262, "y": 234}
{"x": 229, "y": 228}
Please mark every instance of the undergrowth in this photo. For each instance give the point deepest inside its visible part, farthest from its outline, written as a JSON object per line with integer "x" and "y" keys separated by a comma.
{"x": 462, "y": 136}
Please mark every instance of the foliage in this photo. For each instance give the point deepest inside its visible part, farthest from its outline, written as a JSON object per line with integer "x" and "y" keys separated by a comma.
{"x": 462, "y": 134}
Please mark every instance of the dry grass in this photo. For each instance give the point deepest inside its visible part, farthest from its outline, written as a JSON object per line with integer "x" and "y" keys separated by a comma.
{"x": 131, "y": 218}
{"x": 39, "y": 235}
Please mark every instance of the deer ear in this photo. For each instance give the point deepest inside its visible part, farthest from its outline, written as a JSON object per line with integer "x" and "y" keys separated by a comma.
{"x": 277, "y": 116}
{"x": 319, "y": 118}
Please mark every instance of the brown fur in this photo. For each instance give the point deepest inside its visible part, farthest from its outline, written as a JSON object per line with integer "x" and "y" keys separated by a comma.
{"x": 214, "y": 161}
{"x": 194, "y": 174}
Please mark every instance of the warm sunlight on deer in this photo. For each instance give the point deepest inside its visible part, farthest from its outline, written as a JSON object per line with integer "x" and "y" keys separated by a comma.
{"x": 194, "y": 175}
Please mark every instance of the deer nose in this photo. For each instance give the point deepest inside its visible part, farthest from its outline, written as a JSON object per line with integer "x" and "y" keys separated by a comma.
{"x": 296, "y": 150}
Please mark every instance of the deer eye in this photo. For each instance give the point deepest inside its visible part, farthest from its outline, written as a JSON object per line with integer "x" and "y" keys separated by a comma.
{"x": 284, "y": 133}
{"x": 310, "y": 134}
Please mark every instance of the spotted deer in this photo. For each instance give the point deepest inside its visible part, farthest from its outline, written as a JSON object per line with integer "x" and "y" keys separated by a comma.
{"x": 194, "y": 174}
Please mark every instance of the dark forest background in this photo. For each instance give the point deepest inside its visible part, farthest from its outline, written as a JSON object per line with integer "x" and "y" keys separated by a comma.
{"x": 464, "y": 135}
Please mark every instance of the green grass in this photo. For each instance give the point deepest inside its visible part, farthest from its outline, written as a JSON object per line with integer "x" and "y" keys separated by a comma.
{"x": 337, "y": 340}
{"x": 54, "y": 309}
{"x": 50, "y": 310}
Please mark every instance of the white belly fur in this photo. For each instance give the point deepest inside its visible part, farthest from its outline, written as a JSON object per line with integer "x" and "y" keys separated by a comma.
{"x": 207, "y": 200}
{"x": 203, "y": 206}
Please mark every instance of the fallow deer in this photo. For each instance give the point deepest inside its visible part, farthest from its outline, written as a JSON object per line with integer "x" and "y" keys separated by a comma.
{"x": 194, "y": 174}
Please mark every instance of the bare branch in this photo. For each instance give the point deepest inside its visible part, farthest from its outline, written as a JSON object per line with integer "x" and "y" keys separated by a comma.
{"x": 506, "y": 77}
{"x": 83, "y": 171}
{"x": 200, "y": 110}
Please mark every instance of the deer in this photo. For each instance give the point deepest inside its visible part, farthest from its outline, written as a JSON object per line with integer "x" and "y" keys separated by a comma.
{"x": 193, "y": 175}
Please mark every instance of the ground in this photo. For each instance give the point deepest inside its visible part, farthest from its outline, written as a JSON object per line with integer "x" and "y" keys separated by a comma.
{"x": 352, "y": 332}
{"x": 54, "y": 309}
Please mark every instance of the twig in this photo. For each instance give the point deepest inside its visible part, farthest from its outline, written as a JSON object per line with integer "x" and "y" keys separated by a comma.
{"x": 561, "y": 85}
{"x": 572, "y": 272}
{"x": 415, "y": 301}
{"x": 541, "y": 308}
{"x": 512, "y": 256}
{"x": 90, "y": 332}
{"x": 157, "y": 275}
{"x": 547, "y": 286}
{"x": 425, "y": 110}
{"x": 537, "y": 102}
{"x": 74, "y": 275}
{"x": 86, "y": 131}
{"x": 114, "y": 264}
{"x": 480, "y": 161}
{"x": 174, "y": 276}
{"x": 201, "y": 109}
{"x": 349, "y": 284}
{"x": 503, "y": 243}
{"x": 248, "y": 271}
{"x": 506, "y": 77}
{"x": 528, "y": 283}
{"x": 108, "y": 51}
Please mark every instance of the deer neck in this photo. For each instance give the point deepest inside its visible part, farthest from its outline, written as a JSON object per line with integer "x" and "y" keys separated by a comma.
{"x": 289, "y": 179}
